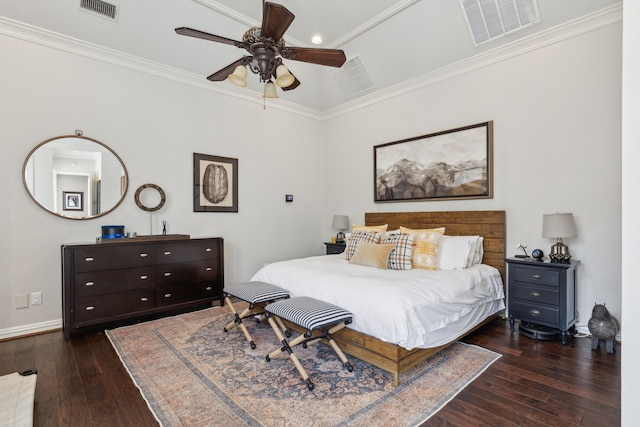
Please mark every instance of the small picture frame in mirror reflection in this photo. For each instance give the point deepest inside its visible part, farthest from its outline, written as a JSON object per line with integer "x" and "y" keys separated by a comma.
{"x": 73, "y": 200}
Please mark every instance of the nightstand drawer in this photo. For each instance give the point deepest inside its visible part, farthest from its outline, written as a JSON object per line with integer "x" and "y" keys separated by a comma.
{"x": 535, "y": 313}
{"x": 536, "y": 294}
{"x": 535, "y": 275}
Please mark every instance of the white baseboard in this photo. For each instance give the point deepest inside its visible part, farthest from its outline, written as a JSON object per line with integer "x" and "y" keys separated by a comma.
{"x": 33, "y": 328}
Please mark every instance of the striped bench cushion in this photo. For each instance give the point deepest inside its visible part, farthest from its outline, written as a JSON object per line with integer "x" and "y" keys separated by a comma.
{"x": 256, "y": 292}
{"x": 309, "y": 313}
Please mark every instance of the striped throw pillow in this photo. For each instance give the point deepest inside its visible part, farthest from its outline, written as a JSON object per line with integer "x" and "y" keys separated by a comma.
{"x": 360, "y": 236}
{"x": 400, "y": 256}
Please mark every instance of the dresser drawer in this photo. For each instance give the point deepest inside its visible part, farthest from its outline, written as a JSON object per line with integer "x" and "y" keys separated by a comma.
{"x": 536, "y": 294}
{"x": 535, "y": 275}
{"x": 100, "y": 307}
{"x": 106, "y": 282}
{"x": 535, "y": 313}
{"x": 193, "y": 250}
{"x": 196, "y": 271}
{"x": 177, "y": 294}
{"x": 110, "y": 256}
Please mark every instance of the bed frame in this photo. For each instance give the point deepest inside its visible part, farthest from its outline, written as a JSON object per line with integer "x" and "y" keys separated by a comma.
{"x": 489, "y": 224}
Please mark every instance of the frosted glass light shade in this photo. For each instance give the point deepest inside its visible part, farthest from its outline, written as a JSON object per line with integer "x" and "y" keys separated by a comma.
{"x": 270, "y": 90}
{"x": 284, "y": 77}
{"x": 239, "y": 76}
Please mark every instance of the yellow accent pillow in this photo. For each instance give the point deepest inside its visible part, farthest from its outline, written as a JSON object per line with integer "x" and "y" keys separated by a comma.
{"x": 372, "y": 254}
{"x": 376, "y": 228}
{"x": 426, "y": 247}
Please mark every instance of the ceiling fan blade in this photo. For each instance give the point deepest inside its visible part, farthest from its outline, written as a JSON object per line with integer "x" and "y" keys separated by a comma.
{"x": 185, "y": 31}
{"x": 222, "y": 74}
{"x": 275, "y": 21}
{"x": 330, "y": 57}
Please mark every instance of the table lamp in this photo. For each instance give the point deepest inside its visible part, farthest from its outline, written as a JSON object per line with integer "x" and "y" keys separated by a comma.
{"x": 558, "y": 226}
{"x": 340, "y": 223}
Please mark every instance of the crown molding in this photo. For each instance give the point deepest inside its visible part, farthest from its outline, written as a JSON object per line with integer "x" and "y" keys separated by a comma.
{"x": 585, "y": 24}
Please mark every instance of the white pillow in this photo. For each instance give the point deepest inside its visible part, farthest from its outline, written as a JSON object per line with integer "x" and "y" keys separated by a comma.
{"x": 456, "y": 252}
{"x": 479, "y": 251}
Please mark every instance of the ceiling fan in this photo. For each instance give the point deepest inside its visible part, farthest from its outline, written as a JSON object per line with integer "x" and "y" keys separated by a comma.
{"x": 267, "y": 49}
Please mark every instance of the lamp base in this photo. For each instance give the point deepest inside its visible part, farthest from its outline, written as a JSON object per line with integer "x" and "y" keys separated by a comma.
{"x": 340, "y": 237}
{"x": 560, "y": 253}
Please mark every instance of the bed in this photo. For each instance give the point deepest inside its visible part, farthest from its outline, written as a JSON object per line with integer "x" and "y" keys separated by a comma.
{"x": 394, "y": 332}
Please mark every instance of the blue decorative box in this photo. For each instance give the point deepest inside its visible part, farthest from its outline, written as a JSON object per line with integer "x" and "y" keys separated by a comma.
{"x": 113, "y": 231}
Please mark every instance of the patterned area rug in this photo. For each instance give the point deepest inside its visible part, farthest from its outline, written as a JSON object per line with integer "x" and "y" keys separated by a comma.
{"x": 191, "y": 373}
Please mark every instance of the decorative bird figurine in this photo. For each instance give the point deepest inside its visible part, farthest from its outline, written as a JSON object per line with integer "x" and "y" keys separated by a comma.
{"x": 603, "y": 327}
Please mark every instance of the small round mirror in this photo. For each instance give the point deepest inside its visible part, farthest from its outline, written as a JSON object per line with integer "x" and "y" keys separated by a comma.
{"x": 75, "y": 177}
{"x": 150, "y": 197}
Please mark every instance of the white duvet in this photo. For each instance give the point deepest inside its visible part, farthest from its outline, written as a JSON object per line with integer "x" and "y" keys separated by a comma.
{"x": 411, "y": 308}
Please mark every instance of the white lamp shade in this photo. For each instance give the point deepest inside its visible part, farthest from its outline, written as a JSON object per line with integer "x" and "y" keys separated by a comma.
{"x": 239, "y": 76}
{"x": 341, "y": 222}
{"x": 270, "y": 90}
{"x": 284, "y": 77}
{"x": 558, "y": 226}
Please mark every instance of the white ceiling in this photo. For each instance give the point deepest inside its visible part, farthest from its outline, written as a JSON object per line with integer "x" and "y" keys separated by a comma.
{"x": 397, "y": 40}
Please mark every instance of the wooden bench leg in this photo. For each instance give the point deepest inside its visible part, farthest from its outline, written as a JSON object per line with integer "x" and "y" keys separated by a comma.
{"x": 238, "y": 321}
{"x": 287, "y": 346}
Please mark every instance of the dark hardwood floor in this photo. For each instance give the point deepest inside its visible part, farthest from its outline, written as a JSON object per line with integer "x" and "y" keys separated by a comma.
{"x": 81, "y": 382}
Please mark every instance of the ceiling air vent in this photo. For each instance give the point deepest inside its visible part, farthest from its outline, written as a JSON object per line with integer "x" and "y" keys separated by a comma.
{"x": 490, "y": 19}
{"x": 352, "y": 78}
{"x": 99, "y": 7}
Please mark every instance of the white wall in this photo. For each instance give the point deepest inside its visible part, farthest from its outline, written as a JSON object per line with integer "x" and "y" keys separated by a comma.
{"x": 556, "y": 114}
{"x": 630, "y": 212}
{"x": 155, "y": 125}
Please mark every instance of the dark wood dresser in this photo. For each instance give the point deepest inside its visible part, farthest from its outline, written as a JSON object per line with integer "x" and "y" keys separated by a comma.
{"x": 107, "y": 282}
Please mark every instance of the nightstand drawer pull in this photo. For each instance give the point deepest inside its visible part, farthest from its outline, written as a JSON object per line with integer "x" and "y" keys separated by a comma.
{"x": 144, "y": 277}
{"x": 167, "y": 295}
{"x": 208, "y": 288}
{"x": 534, "y": 294}
{"x": 535, "y": 313}
{"x": 535, "y": 276}
{"x": 167, "y": 274}
{"x": 144, "y": 255}
{"x": 167, "y": 252}
{"x": 89, "y": 284}
{"x": 89, "y": 308}
{"x": 208, "y": 250}
{"x": 144, "y": 299}
{"x": 208, "y": 269}
{"x": 88, "y": 259}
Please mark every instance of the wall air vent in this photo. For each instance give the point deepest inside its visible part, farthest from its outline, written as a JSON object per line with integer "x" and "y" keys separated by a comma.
{"x": 490, "y": 19}
{"x": 352, "y": 78}
{"x": 99, "y": 7}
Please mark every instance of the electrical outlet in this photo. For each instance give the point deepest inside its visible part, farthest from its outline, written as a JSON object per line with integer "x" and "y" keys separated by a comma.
{"x": 36, "y": 298}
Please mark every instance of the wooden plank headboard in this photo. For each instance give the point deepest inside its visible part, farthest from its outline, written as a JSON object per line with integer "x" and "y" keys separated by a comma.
{"x": 489, "y": 224}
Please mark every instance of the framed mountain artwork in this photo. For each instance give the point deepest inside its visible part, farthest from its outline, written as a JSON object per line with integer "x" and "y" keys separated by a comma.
{"x": 455, "y": 164}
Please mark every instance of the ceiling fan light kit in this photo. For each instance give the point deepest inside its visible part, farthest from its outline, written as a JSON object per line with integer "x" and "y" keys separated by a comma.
{"x": 267, "y": 50}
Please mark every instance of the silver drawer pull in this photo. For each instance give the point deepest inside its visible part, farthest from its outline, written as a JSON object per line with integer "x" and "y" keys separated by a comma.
{"x": 144, "y": 299}
{"x": 90, "y": 308}
{"x": 208, "y": 288}
{"x": 144, "y": 277}
{"x": 88, "y": 259}
{"x": 89, "y": 284}
{"x": 534, "y": 294}
{"x": 167, "y": 274}
{"x": 534, "y": 313}
{"x": 167, "y": 295}
{"x": 535, "y": 276}
{"x": 208, "y": 269}
{"x": 208, "y": 250}
{"x": 167, "y": 252}
{"x": 144, "y": 255}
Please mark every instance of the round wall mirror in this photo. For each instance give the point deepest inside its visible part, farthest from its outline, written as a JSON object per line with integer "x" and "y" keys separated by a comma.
{"x": 75, "y": 177}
